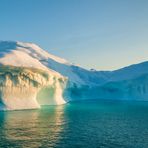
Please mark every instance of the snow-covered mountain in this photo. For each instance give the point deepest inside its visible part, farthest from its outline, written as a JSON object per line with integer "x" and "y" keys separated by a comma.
{"x": 31, "y": 77}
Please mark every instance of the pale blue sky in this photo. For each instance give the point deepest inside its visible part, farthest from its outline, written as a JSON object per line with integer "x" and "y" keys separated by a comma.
{"x": 100, "y": 34}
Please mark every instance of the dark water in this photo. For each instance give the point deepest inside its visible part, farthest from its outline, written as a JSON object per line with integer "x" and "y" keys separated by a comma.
{"x": 96, "y": 124}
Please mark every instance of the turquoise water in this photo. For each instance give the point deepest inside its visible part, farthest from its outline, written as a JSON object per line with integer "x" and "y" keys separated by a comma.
{"x": 90, "y": 124}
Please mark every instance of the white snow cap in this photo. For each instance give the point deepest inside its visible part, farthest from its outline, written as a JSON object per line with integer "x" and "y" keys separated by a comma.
{"x": 25, "y": 55}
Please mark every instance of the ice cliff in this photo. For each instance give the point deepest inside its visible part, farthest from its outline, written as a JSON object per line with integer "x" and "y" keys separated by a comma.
{"x": 26, "y": 88}
{"x": 31, "y": 77}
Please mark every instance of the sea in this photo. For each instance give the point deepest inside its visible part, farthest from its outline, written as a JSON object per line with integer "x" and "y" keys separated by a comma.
{"x": 80, "y": 124}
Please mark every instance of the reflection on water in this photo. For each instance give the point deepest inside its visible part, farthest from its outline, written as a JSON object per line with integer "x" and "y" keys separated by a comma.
{"x": 97, "y": 124}
{"x": 32, "y": 128}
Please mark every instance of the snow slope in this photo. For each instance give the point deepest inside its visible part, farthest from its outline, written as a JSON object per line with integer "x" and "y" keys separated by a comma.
{"x": 15, "y": 53}
{"x": 129, "y": 72}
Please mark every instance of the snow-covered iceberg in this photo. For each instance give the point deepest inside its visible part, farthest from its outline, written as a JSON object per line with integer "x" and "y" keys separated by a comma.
{"x": 25, "y": 83}
{"x": 31, "y": 77}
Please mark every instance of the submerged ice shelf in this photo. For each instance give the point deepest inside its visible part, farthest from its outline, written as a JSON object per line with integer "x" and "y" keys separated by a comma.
{"x": 31, "y": 77}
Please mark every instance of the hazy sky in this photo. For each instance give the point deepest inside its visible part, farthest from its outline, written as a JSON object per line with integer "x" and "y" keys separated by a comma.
{"x": 100, "y": 34}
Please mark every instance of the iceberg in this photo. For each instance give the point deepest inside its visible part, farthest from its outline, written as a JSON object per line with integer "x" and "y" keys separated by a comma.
{"x": 31, "y": 77}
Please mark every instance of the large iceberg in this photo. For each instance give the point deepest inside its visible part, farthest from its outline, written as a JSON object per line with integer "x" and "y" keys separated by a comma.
{"x": 31, "y": 77}
{"x": 25, "y": 83}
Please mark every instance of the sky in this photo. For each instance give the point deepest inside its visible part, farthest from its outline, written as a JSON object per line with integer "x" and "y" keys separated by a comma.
{"x": 99, "y": 34}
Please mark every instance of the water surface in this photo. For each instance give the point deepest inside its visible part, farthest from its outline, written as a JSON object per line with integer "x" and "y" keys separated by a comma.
{"x": 90, "y": 124}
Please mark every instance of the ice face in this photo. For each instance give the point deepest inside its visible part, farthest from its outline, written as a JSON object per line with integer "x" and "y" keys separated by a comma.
{"x": 133, "y": 89}
{"x": 27, "y": 88}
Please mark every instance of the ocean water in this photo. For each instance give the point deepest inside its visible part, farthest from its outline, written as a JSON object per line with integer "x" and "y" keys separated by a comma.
{"x": 89, "y": 124}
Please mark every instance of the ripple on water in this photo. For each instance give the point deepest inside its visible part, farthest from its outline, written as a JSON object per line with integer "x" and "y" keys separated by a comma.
{"x": 96, "y": 124}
